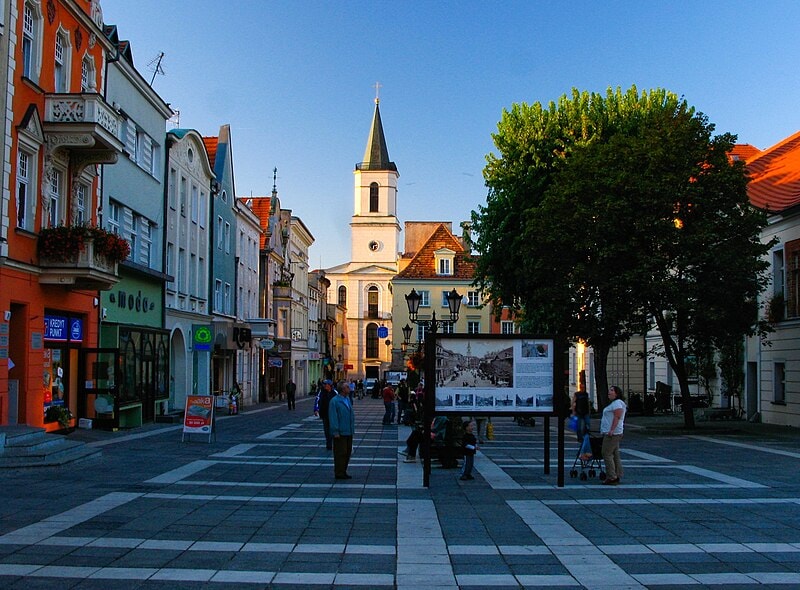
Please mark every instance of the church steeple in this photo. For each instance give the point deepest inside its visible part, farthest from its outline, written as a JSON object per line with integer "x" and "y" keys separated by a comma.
{"x": 376, "y": 156}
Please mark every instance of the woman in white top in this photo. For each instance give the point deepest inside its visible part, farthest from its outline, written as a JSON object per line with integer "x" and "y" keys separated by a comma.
{"x": 611, "y": 427}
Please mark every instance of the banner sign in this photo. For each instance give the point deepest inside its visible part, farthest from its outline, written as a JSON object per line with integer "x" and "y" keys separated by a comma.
{"x": 199, "y": 414}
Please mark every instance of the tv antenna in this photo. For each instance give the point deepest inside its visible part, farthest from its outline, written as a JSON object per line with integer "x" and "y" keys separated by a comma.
{"x": 155, "y": 67}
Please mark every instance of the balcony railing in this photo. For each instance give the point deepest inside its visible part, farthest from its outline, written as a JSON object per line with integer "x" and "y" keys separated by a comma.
{"x": 85, "y": 269}
{"x": 82, "y": 121}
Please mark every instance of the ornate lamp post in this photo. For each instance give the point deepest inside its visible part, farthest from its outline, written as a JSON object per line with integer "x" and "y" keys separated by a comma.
{"x": 431, "y": 326}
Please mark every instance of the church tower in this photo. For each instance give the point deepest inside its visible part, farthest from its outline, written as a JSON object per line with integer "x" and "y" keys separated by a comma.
{"x": 362, "y": 285}
{"x": 375, "y": 230}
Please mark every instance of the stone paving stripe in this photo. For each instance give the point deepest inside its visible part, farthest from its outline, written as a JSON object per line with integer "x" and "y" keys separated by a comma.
{"x": 53, "y": 525}
{"x": 546, "y": 581}
{"x": 647, "y": 456}
{"x": 371, "y": 580}
{"x": 650, "y": 580}
{"x": 243, "y": 577}
{"x": 166, "y": 544}
{"x": 486, "y": 580}
{"x": 181, "y": 472}
{"x": 267, "y": 499}
{"x": 742, "y": 483}
{"x": 371, "y": 549}
{"x": 316, "y": 486}
{"x": 124, "y": 573}
{"x": 555, "y": 532}
{"x": 473, "y": 549}
{"x": 751, "y": 447}
{"x": 215, "y": 546}
{"x": 419, "y": 537}
{"x": 269, "y": 547}
{"x": 61, "y": 571}
{"x": 305, "y": 579}
{"x": 235, "y": 450}
{"x": 494, "y": 476}
{"x": 272, "y": 434}
{"x": 183, "y": 575}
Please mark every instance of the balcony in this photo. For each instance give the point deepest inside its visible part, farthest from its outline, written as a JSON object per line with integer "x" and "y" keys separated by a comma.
{"x": 80, "y": 257}
{"x": 83, "y": 123}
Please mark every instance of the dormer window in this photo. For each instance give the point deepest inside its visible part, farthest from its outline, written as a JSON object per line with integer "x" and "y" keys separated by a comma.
{"x": 443, "y": 259}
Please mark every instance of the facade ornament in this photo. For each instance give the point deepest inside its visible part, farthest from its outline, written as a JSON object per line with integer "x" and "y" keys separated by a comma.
{"x": 51, "y": 11}
{"x": 78, "y": 38}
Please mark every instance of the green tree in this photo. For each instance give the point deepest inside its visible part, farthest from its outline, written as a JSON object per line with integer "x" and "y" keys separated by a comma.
{"x": 600, "y": 208}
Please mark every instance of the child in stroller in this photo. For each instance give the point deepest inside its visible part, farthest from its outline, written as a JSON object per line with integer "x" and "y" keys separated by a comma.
{"x": 590, "y": 457}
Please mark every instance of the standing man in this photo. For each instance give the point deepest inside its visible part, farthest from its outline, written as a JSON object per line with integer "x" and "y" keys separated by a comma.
{"x": 342, "y": 422}
{"x": 402, "y": 399}
{"x": 325, "y": 396}
{"x": 388, "y": 404}
{"x": 291, "y": 389}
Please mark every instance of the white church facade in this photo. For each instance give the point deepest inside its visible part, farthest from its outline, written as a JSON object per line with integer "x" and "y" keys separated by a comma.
{"x": 362, "y": 284}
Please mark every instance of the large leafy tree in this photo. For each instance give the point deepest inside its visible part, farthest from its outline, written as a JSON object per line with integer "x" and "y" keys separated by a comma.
{"x": 604, "y": 214}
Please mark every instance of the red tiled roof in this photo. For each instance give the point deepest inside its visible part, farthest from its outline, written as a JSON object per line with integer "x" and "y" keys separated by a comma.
{"x": 422, "y": 265}
{"x": 261, "y": 207}
{"x": 743, "y": 151}
{"x": 775, "y": 175}
{"x": 211, "y": 148}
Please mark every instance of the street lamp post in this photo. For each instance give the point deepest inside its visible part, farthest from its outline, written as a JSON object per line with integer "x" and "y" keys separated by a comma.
{"x": 432, "y": 326}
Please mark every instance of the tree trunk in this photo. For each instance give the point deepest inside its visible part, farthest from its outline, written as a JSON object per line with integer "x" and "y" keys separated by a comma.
{"x": 601, "y": 351}
{"x": 686, "y": 399}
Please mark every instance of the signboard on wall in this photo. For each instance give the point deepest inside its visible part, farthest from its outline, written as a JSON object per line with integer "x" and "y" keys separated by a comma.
{"x": 494, "y": 375}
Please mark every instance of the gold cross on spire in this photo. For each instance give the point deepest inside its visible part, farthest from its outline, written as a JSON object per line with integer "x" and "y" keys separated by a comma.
{"x": 377, "y": 86}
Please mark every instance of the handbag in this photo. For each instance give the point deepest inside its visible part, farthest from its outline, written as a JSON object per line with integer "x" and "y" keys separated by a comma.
{"x": 572, "y": 423}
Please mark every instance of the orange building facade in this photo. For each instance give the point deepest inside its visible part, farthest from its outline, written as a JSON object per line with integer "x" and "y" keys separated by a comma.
{"x": 51, "y": 267}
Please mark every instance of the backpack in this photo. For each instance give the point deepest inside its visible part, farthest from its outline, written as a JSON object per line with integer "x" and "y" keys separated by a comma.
{"x": 581, "y": 403}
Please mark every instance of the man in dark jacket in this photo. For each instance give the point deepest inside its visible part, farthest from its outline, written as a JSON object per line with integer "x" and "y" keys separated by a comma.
{"x": 291, "y": 390}
{"x": 325, "y": 396}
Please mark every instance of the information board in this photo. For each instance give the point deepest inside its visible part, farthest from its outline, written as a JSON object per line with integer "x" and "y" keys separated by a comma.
{"x": 494, "y": 375}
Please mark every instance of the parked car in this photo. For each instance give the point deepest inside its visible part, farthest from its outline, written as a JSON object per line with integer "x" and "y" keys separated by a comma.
{"x": 371, "y": 387}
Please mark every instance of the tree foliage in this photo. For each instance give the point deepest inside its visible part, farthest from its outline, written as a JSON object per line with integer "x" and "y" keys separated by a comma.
{"x": 608, "y": 213}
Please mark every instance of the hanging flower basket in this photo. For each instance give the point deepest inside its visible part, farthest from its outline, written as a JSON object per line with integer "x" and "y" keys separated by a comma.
{"x": 65, "y": 243}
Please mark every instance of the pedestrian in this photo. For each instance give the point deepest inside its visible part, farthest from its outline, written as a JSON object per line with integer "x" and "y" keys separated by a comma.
{"x": 291, "y": 390}
{"x": 469, "y": 444}
{"x": 402, "y": 399}
{"x": 326, "y": 394}
{"x": 581, "y": 410}
{"x": 352, "y": 389}
{"x": 342, "y": 427}
{"x": 611, "y": 427}
{"x": 388, "y": 404}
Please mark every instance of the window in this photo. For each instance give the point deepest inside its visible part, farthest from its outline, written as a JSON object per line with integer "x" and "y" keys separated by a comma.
{"x": 181, "y": 270}
{"x": 220, "y": 235}
{"x": 80, "y": 204}
{"x": 473, "y": 327}
{"x": 88, "y": 83}
{"x": 133, "y": 238}
{"x": 25, "y": 200}
{"x": 472, "y": 299}
{"x": 201, "y": 278}
{"x": 54, "y": 199}
{"x": 183, "y": 195}
{"x": 445, "y": 302}
{"x": 194, "y": 204}
{"x": 372, "y": 302}
{"x": 506, "y": 327}
{"x": 170, "y": 254}
{"x": 651, "y": 375}
{"x": 779, "y": 383}
{"x": 31, "y": 40}
{"x": 373, "y": 197}
{"x": 227, "y": 308}
{"x": 421, "y": 332}
{"x": 791, "y": 260}
{"x": 343, "y": 296}
{"x": 444, "y": 266}
{"x": 193, "y": 274}
{"x": 113, "y": 216}
{"x": 147, "y": 241}
{"x": 173, "y": 188}
{"x": 283, "y": 323}
{"x": 425, "y": 300}
{"x": 203, "y": 213}
{"x": 372, "y": 341}
{"x": 217, "y": 295}
{"x": 227, "y": 238}
{"x": 224, "y": 197}
{"x": 62, "y": 68}
{"x": 447, "y": 328}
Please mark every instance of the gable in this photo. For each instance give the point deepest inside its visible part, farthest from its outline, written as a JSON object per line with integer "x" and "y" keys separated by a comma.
{"x": 31, "y": 126}
{"x": 441, "y": 242}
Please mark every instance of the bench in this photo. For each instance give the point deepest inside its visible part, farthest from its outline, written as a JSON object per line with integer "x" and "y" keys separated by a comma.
{"x": 710, "y": 414}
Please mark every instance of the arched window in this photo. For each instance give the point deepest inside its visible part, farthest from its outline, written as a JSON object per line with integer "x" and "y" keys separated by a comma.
{"x": 372, "y": 302}
{"x": 373, "y": 197}
{"x": 343, "y": 296}
{"x": 31, "y": 40}
{"x": 372, "y": 341}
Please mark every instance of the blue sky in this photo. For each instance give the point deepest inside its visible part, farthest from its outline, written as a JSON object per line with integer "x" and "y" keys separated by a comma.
{"x": 294, "y": 79}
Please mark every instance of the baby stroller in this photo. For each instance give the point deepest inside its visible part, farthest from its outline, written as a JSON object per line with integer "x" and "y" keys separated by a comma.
{"x": 589, "y": 457}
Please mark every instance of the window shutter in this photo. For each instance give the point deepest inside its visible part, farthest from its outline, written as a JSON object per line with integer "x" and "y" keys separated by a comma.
{"x": 147, "y": 152}
{"x": 130, "y": 139}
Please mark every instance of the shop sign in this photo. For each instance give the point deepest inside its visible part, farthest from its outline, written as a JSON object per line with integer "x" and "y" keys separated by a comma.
{"x": 275, "y": 362}
{"x": 63, "y": 329}
{"x": 199, "y": 415}
{"x": 202, "y": 336}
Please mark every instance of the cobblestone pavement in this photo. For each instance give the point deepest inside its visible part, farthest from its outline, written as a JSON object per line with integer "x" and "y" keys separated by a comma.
{"x": 259, "y": 508}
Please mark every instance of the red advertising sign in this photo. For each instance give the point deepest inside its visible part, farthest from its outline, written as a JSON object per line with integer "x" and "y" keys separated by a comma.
{"x": 199, "y": 414}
